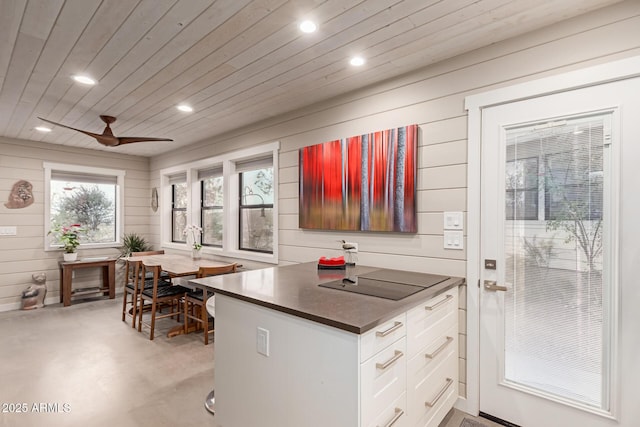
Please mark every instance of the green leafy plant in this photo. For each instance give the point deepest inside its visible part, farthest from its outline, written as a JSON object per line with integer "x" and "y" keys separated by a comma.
{"x": 69, "y": 236}
{"x": 132, "y": 242}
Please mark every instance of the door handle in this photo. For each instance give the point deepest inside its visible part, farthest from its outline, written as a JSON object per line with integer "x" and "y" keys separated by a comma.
{"x": 491, "y": 285}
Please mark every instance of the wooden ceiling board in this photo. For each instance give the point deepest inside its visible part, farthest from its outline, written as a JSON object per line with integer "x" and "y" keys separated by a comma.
{"x": 235, "y": 61}
{"x": 243, "y": 85}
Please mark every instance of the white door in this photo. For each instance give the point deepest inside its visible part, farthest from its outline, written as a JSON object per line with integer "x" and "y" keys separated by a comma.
{"x": 551, "y": 317}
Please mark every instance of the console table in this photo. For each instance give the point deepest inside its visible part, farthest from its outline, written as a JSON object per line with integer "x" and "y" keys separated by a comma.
{"x": 67, "y": 268}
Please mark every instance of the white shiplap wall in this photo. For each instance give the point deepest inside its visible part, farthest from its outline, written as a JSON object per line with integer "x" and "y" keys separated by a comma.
{"x": 23, "y": 254}
{"x": 433, "y": 98}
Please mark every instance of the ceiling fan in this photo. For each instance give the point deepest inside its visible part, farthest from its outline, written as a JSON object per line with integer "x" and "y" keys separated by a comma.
{"x": 106, "y": 137}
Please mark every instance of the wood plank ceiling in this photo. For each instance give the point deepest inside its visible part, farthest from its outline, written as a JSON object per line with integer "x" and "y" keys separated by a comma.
{"x": 235, "y": 62}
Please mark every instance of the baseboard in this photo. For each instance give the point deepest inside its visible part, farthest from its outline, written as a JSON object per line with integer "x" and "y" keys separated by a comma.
{"x": 47, "y": 301}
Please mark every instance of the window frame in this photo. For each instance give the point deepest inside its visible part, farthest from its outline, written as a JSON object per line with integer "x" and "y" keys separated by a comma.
{"x": 231, "y": 206}
{"x": 119, "y": 174}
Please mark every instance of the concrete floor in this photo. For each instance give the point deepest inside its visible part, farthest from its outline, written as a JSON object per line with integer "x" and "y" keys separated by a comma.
{"x": 82, "y": 366}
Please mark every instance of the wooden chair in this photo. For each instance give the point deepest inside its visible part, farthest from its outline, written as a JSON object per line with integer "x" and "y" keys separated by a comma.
{"x": 195, "y": 302}
{"x": 133, "y": 286}
{"x": 160, "y": 293}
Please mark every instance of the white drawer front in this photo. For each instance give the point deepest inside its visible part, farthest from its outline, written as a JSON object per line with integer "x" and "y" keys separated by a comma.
{"x": 430, "y": 397}
{"x": 420, "y": 366}
{"x": 429, "y": 320}
{"x": 381, "y": 336}
{"x": 393, "y": 416}
{"x": 383, "y": 380}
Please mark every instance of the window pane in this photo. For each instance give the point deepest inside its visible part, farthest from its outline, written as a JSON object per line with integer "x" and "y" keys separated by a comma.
{"x": 212, "y": 227}
{"x": 556, "y": 325}
{"x": 573, "y": 183}
{"x": 179, "y": 223}
{"x": 91, "y": 205}
{"x": 180, "y": 195}
{"x": 257, "y": 187}
{"x": 256, "y": 226}
{"x": 212, "y": 189}
{"x": 522, "y": 188}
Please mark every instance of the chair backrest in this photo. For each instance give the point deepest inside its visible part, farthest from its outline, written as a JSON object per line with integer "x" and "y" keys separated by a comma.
{"x": 214, "y": 271}
{"x": 161, "y": 252}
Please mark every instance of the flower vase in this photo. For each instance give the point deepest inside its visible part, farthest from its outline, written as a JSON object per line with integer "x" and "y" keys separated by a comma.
{"x": 70, "y": 256}
{"x": 196, "y": 253}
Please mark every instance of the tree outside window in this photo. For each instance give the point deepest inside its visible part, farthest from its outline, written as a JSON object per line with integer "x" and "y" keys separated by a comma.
{"x": 178, "y": 211}
{"x": 256, "y": 210}
{"x": 212, "y": 211}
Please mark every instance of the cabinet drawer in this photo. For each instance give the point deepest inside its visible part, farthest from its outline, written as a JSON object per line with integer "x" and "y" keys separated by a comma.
{"x": 429, "y": 320}
{"x": 420, "y": 366}
{"x": 431, "y": 397}
{"x": 393, "y": 416}
{"x": 382, "y": 335}
{"x": 382, "y": 380}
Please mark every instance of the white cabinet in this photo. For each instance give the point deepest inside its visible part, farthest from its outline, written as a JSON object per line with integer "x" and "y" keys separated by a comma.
{"x": 432, "y": 366}
{"x": 409, "y": 366}
{"x": 401, "y": 373}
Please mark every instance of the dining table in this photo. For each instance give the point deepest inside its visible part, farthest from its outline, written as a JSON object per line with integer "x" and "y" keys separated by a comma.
{"x": 179, "y": 266}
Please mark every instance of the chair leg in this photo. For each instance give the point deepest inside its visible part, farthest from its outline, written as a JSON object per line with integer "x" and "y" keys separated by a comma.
{"x": 205, "y": 317}
{"x": 153, "y": 319}
{"x": 186, "y": 316}
{"x": 124, "y": 303}
{"x": 140, "y": 310}
{"x": 134, "y": 308}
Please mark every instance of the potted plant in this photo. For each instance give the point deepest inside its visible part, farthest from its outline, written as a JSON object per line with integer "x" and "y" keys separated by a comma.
{"x": 193, "y": 235}
{"x": 69, "y": 237}
{"x": 132, "y": 242}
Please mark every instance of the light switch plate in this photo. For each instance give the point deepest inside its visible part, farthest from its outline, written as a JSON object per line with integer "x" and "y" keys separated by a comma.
{"x": 8, "y": 231}
{"x": 453, "y": 221}
{"x": 454, "y": 240}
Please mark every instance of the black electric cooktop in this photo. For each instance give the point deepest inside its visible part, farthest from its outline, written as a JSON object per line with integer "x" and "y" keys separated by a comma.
{"x": 389, "y": 284}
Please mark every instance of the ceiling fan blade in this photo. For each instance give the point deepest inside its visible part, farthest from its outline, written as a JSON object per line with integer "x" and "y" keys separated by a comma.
{"x": 94, "y": 135}
{"x": 130, "y": 139}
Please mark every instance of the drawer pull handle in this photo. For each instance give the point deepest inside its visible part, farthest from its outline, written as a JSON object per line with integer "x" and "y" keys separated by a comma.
{"x": 440, "y": 393}
{"x": 439, "y": 303}
{"x": 396, "y": 326}
{"x": 396, "y": 417}
{"x": 394, "y": 359}
{"x": 439, "y": 349}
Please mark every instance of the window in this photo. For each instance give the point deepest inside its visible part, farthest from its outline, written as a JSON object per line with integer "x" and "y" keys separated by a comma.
{"x": 522, "y": 189}
{"x": 91, "y": 197}
{"x": 574, "y": 180}
{"x": 179, "y": 199}
{"x": 231, "y": 197}
{"x": 256, "y": 210}
{"x": 211, "y": 204}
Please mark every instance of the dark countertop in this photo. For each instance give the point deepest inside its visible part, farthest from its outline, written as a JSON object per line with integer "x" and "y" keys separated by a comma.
{"x": 294, "y": 290}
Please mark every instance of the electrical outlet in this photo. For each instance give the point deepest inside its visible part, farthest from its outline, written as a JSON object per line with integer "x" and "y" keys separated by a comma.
{"x": 8, "y": 231}
{"x": 262, "y": 341}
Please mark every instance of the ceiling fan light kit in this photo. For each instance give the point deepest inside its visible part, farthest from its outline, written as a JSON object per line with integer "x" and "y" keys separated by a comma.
{"x": 106, "y": 137}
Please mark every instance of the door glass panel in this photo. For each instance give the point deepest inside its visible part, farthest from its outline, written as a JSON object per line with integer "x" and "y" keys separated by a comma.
{"x": 555, "y": 321}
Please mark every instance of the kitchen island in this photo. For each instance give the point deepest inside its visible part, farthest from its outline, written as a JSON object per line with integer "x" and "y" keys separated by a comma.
{"x": 289, "y": 352}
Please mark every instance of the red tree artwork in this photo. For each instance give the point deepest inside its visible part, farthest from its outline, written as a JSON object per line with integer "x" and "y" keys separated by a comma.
{"x": 365, "y": 182}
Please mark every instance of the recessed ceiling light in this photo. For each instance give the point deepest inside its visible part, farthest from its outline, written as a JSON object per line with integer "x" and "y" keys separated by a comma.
{"x": 308, "y": 26}
{"x": 85, "y": 80}
{"x": 184, "y": 107}
{"x": 357, "y": 61}
{"x": 42, "y": 129}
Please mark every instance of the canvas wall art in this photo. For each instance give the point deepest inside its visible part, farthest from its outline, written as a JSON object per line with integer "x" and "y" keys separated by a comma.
{"x": 361, "y": 183}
